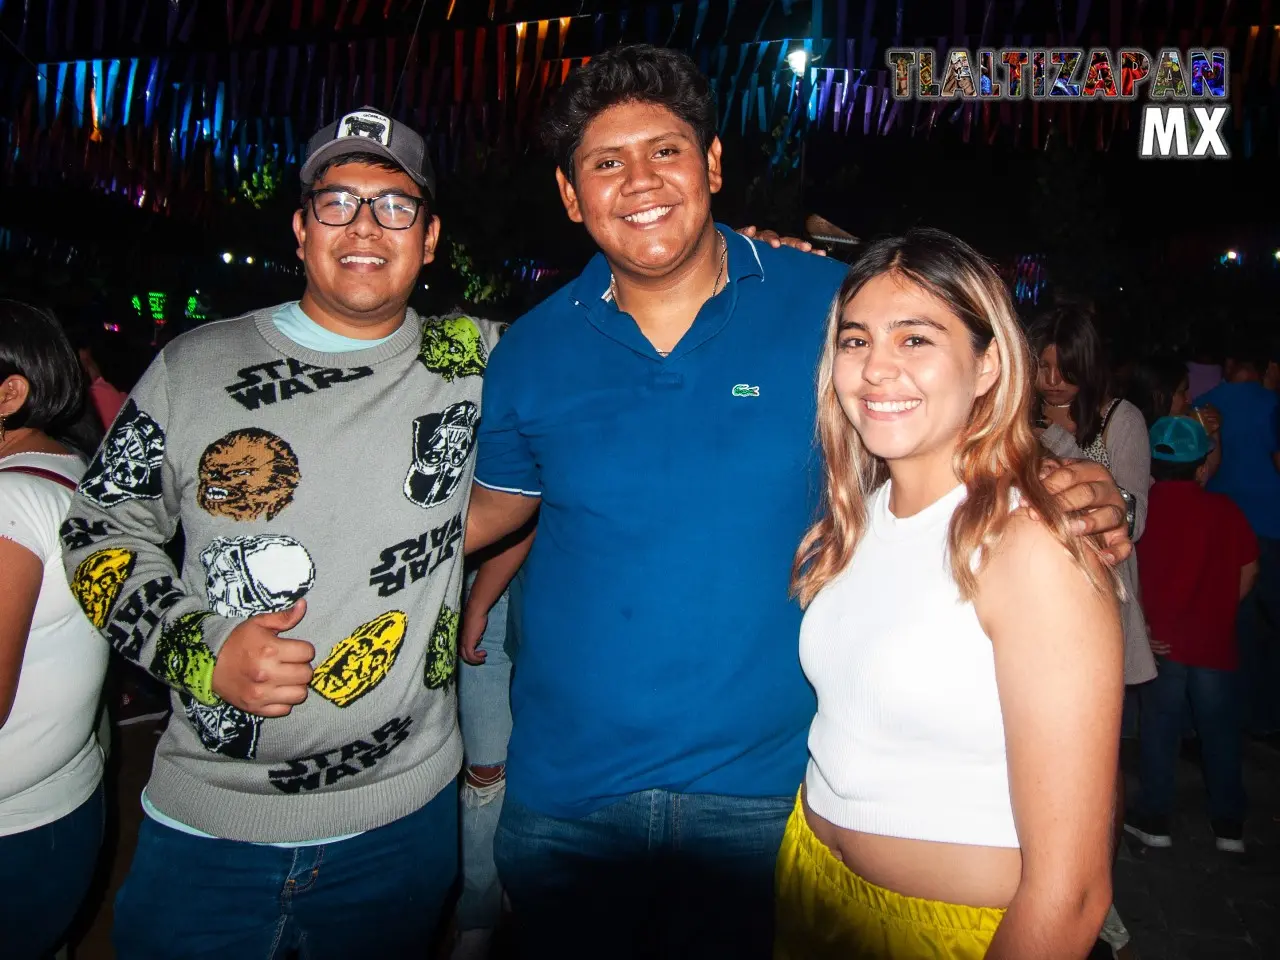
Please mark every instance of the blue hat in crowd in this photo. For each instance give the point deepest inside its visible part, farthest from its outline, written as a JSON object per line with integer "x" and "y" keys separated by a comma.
{"x": 1179, "y": 440}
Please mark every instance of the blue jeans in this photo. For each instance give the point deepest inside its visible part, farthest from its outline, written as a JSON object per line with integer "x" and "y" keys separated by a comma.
{"x": 379, "y": 894}
{"x": 655, "y": 874}
{"x": 1258, "y": 630}
{"x": 484, "y": 713}
{"x": 515, "y": 597}
{"x": 44, "y": 875}
{"x": 1129, "y": 716}
{"x": 1214, "y": 696}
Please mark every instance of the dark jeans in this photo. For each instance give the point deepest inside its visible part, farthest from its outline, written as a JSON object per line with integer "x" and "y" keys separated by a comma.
{"x": 1214, "y": 696}
{"x": 1258, "y": 630}
{"x": 655, "y": 874}
{"x": 376, "y": 895}
{"x": 44, "y": 875}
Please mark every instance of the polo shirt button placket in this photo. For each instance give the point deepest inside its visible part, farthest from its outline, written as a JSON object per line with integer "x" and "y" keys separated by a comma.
{"x": 667, "y": 380}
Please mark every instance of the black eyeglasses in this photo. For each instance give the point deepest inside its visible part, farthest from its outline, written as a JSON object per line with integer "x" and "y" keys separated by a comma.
{"x": 392, "y": 211}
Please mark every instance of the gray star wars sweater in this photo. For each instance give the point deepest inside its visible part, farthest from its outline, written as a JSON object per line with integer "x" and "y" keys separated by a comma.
{"x": 342, "y": 478}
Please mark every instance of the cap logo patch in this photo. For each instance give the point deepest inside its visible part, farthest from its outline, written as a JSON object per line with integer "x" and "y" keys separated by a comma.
{"x": 371, "y": 126}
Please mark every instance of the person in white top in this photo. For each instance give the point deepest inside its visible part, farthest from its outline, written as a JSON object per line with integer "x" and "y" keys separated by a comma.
{"x": 52, "y": 661}
{"x": 964, "y": 642}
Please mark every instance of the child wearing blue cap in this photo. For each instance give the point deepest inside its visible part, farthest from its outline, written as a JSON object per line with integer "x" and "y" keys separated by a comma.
{"x": 1197, "y": 560}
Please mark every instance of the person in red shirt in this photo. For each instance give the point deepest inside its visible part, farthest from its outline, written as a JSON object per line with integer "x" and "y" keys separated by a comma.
{"x": 107, "y": 400}
{"x": 1196, "y": 561}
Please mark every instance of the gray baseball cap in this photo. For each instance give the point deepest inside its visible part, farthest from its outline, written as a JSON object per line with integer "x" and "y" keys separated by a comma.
{"x": 369, "y": 131}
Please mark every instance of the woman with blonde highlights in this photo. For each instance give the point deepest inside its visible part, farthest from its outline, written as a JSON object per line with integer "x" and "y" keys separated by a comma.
{"x": 966, "y": 653}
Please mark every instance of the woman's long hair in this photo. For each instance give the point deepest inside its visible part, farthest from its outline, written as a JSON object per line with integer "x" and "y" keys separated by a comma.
{"x": 1081, "y": 361}
{"x": 997, "y": 454}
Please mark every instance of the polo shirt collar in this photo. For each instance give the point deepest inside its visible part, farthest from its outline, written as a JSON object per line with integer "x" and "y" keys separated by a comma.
{"x": 744, "y": 255}
{"x": 592, "y": 285}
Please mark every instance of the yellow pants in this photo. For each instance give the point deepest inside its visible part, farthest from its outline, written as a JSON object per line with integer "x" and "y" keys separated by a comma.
{"x": 825, "y": 910}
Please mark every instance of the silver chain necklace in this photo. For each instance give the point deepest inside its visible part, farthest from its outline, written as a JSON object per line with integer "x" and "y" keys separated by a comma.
{"x": 715, "y": 287}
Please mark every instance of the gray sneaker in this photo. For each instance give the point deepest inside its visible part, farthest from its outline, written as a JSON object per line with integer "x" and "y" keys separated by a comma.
{"x": 1151, "y": 831}
{"x": 1114, "y": 933}
{"x": 1228, "y": 836}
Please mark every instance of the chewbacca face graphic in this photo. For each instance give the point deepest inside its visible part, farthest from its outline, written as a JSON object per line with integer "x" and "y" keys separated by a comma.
{"x": 249, "y": 474}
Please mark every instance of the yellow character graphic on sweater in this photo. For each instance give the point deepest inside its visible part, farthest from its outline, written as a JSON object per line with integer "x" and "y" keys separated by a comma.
{"x": 358, "y": 664}
{"x": 98, "y": 580}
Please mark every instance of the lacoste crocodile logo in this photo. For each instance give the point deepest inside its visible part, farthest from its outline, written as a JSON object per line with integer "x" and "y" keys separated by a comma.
{"x": 744, "y": 390}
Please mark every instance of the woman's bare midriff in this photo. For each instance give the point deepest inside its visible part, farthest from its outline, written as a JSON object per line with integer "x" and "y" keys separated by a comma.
{"x": 950, "y": 872}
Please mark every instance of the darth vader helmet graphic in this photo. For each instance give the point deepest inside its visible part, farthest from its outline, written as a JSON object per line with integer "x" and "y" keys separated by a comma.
{"x": 129, "y": 462}
{"x": 223, "y": 728}
{"x": 442, "y": 442}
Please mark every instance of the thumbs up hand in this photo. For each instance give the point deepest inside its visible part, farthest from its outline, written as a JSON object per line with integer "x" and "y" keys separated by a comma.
{"x": 261, "y": 672}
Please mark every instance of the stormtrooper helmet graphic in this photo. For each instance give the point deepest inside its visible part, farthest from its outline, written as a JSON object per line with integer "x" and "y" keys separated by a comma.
{"x": 250, "y": 575}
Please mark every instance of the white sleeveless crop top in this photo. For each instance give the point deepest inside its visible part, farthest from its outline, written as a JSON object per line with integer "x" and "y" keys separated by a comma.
{"x": 909, "y": 738}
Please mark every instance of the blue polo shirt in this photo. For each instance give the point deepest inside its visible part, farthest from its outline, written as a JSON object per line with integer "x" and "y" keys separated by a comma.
{"x": 659, "y": 646}
{"x": 1248, "y": 473}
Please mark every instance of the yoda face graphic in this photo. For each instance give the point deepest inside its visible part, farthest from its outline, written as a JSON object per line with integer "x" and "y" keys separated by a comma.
{"x": 442, "y": 650}
{"x": 453, "y": 348}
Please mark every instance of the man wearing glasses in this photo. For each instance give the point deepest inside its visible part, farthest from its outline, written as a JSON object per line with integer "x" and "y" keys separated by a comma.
{"x": 318, "y": 458}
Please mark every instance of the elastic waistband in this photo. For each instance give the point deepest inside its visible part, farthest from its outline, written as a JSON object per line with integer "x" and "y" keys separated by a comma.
{"x": 914, "y": 910}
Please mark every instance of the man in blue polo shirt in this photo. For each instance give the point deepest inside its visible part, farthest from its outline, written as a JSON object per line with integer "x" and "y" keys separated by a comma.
{"x": 661, "y": 410}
